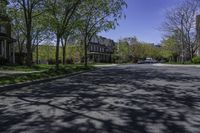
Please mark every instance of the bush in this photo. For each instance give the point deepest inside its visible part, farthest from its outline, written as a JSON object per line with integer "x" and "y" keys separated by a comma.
{"x": 69, "y": 61}
{"x": 53, "y": 61}
{"x": 196, "y": 60}
{"x": 3, "y": 61}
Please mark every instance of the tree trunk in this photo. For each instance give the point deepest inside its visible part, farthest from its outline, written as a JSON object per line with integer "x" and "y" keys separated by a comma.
{"x": 192, "y": 53}
{"x": 29, "y": 50}
{"x": 37, "y": 54}
{"x": 64, "y": 54}
{"x": 21, "y": 59}
{"x": 57, "y": 52}
{"x": 85, "y": 52}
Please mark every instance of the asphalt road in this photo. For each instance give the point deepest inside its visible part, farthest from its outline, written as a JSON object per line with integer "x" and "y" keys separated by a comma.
{"x": 117, "y": 99}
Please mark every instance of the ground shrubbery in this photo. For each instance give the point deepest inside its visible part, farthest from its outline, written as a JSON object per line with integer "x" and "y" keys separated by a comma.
{"x": 47, "y": 71}
{"x": 3, "y": 61}
{"x": 196, "y": 60}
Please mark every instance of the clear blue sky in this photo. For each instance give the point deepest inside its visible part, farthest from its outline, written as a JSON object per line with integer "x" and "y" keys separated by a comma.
{"x": 143, "y": 19}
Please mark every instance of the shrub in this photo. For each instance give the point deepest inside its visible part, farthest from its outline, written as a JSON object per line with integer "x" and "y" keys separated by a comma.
{"x": 196, "y": 60}
{"x": 53, "y": 61}
{"x": 3, "y": 61}
{"x": 69, "y": 61}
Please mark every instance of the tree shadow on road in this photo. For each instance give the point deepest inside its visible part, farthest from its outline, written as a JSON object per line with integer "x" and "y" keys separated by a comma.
{"x": 113, "y": 100}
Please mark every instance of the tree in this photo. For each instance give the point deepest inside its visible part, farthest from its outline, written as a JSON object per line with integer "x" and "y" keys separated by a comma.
{"x": 97, "y": 16}
{"x": 68, "y": 36}
{"x": 39, "y": 34}
{"x": 123, "y": 52}
{"x": 60, "y": 14}
{"x": 18, "y": 29}
{"x": 181, "y": 20}
{"x": 31, "y": 10}
{"x": 172, "y": 45}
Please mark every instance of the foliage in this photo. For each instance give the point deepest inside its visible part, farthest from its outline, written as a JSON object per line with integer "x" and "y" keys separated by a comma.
{"x": 180, "y": 23}
{"x": 196, "y": 60}
{"x": 122, "y": 52}
{"x": 126, "y": 52}
{"x": 31, "y": 10}
{"x": 67, "y": 69}
{"x": 171, "y": 48}
{"x": 60, "y": 13}
{"x": 3, "y": 61}
{"x": 97, "y": 16}
{"x": 47, "y": 54}
{"x": 142, "y": 51}
{"x": 37, "y": 20}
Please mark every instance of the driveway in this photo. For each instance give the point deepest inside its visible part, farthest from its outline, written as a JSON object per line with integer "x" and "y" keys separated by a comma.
{"x": 117, "y": 99}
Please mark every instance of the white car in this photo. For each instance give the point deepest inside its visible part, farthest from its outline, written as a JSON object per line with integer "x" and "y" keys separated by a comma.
{"x": 150, "y": 61}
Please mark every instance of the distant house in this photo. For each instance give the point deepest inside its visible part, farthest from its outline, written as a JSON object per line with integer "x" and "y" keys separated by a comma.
{"x": 7, "y": 50}
{"x": 100, "y": 49}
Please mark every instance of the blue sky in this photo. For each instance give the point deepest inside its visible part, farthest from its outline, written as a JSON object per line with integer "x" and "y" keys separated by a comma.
{"x": 143, "y": 19}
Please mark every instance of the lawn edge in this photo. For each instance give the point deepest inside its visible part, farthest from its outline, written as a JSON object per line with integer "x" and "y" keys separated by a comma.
{"x": 43, "y": 80}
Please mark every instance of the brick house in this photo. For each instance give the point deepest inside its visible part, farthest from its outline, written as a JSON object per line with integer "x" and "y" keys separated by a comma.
{"x": 101, "y": 49}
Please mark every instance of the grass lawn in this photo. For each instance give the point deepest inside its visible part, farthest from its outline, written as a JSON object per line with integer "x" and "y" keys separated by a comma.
{"x": 50, "y": 72}
{"x": 26, "y": 68}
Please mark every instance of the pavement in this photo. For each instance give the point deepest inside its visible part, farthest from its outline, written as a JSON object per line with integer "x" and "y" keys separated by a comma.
{"x": 115, "y": 99}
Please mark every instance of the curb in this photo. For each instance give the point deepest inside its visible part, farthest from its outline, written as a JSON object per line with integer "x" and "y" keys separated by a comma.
{"x": 23, "y": 84}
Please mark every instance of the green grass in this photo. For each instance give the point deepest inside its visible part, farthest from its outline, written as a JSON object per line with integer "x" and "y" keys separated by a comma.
{"x": 26, "y": 68}
{"x": 50, "y": 72}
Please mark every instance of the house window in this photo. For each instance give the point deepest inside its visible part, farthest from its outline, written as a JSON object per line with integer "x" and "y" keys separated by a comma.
{"x": 2, "y": 29}
{"x": 90, "y": 47}
{"x": 95, "y": 48}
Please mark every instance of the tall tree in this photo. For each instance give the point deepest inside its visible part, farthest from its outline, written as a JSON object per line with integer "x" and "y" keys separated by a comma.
{"x": 97, "y": 16}
{"x": 68, "y": 37}
{"x": 173, "y": 46}
{"x": 181, "y": 20}
{"x": 18, "y": 30}
{"x": 40, "y": 33}
{"x": 31, "y": 10}
{"x": 60, "y": 13}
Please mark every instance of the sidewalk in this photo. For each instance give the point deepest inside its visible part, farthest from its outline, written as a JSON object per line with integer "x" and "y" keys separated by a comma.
{"x": 174, "y": 65}
{"x": 106, "y": 65}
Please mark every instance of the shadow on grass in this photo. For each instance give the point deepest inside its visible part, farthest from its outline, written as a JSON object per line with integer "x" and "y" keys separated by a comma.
{"x": 112, "y": 100}
{"x": 51, "y": 72}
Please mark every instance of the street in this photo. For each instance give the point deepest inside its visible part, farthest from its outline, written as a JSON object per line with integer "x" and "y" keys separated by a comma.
{"x": 116, "y": 99}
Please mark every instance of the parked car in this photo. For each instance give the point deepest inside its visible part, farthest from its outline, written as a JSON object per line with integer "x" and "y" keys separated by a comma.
{"x": 140, "y": 62}
{"x": 163, "y": 61}
{"x": 147, "y": 61}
